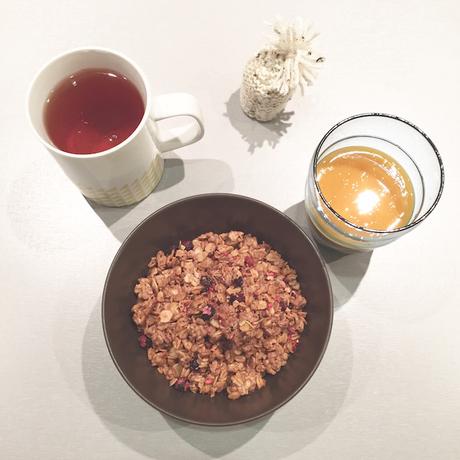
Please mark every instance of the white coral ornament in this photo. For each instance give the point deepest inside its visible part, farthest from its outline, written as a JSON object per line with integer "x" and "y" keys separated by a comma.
{"x": 272, "y": 76}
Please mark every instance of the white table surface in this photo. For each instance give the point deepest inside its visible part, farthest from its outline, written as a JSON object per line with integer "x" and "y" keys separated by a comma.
{"x": 388, "y": 386}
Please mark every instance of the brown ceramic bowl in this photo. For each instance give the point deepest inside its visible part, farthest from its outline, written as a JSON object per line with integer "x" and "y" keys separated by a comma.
{"x": 184, "y": 220}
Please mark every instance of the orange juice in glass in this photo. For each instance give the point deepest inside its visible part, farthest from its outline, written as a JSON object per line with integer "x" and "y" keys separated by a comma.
{"x": 373, "y": 178}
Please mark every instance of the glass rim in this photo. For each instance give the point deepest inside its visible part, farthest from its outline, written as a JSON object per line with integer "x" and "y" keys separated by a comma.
{"x": 420, "y": 218}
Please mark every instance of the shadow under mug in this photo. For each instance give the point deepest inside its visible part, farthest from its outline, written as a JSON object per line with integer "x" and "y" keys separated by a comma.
{"x": 398, "y": 138}
{"x": 128, "y": 172}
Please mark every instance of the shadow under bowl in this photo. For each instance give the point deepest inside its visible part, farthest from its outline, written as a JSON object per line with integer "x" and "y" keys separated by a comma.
{"x": 184, "y": 220}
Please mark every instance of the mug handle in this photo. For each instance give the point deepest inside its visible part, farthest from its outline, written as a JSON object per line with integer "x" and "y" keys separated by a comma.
{"x": 170, "y": 106}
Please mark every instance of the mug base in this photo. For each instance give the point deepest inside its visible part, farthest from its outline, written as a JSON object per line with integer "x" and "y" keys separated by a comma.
{"x": 130, "y": 193}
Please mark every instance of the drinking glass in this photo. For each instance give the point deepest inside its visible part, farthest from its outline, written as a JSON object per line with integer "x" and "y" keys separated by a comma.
{"x": 398, "y": 138}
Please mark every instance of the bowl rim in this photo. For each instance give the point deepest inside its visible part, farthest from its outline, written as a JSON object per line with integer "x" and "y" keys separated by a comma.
{"x": 120, "y": 252}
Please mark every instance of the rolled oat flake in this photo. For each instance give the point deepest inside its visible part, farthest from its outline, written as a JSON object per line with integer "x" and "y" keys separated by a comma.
{"x": 272, "y": 76}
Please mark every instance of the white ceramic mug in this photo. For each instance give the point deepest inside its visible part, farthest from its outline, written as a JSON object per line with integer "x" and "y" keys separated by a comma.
{"x": 128, "y": 172}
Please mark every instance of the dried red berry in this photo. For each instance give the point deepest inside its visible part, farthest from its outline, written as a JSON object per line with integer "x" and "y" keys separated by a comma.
{"x": 194, "y": 365}
{"x": 295, "y": 344}
{"x": 188, "y": 245}
{"x": 180, "y": 385}
{"x": 144, "y": 341}
{"x": 226, "y": 344}
{"x": 238, "y": 282}
{"x": 206, "y": 282}
{"x": 208, "y": 312}
{"x": 240, "y": 297}
{"x": 249, "y": 261}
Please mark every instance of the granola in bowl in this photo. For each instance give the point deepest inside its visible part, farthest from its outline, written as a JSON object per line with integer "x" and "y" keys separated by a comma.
{"x": 219, "y": 313}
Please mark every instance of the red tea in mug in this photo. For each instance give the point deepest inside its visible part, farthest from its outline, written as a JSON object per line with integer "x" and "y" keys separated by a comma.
{"x": 92, "y": 110}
